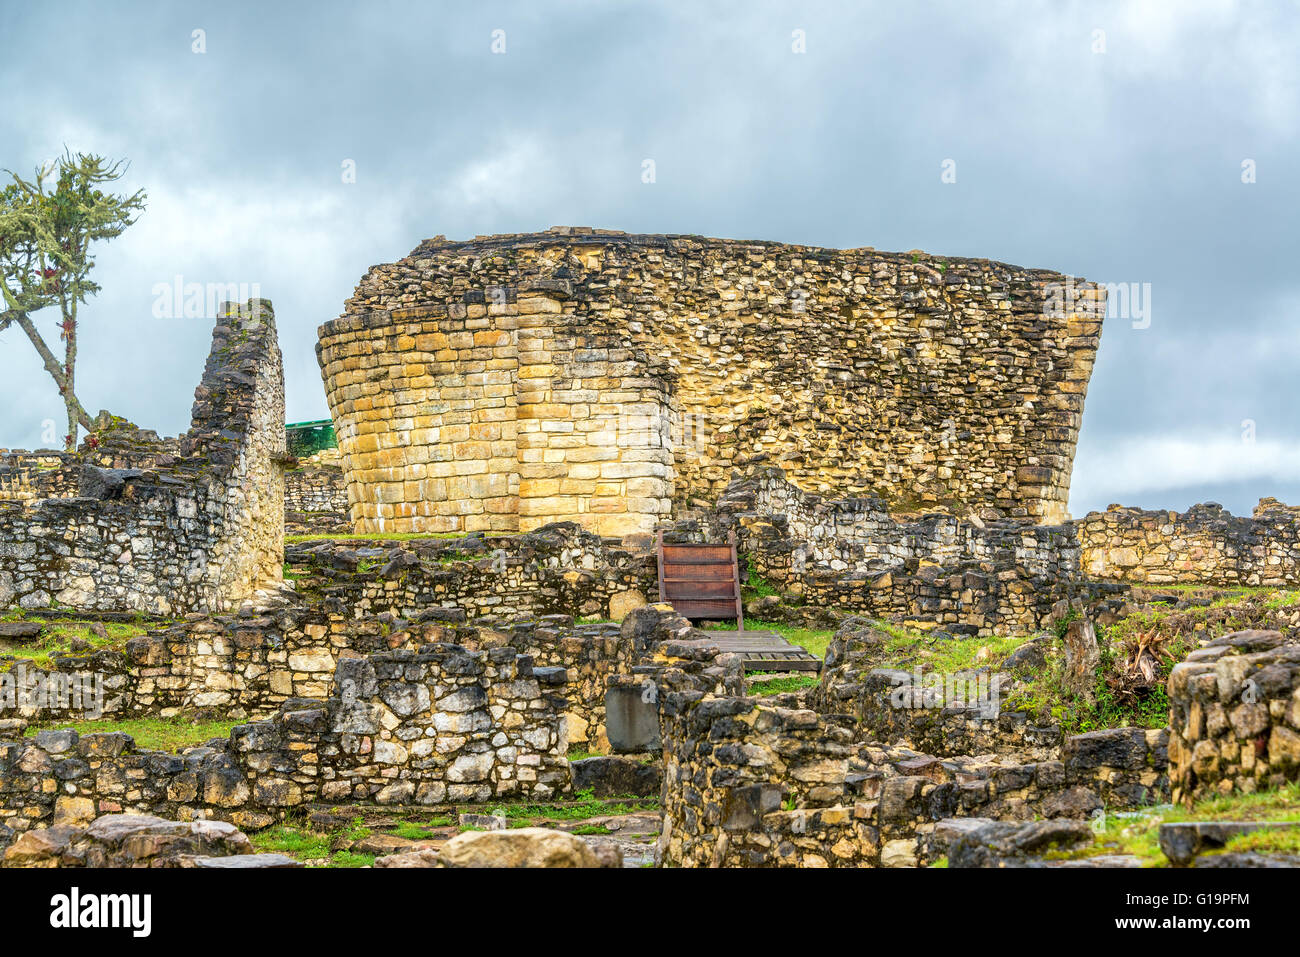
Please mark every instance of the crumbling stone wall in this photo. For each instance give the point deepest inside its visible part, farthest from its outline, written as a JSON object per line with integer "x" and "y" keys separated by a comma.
{"x": 1205, "y": 544}
{"x": 748, "y": 784}
{"x": 559, "y": 569}
{"x": 315, "y": 488}
{"x": 510, "y": 381}
{"x": 999, "y": 576}
{"x": 198, "y": 530}
{"x": 441, "y": 724}
{"x": 25, "y": 476}
{"x": 1235, "y": 716}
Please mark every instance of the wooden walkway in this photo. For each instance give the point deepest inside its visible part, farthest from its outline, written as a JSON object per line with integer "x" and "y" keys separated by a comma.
{"x": 765, "y": 651}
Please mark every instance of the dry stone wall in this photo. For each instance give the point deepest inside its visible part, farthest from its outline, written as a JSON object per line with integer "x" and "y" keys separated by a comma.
{"x": 315, "y": 488}
{"x": 559, "y": 569}
{"x": 1204, "y": 545}
{"x": 192, "y": 525}
{"x": 510, "y": 381}
{"x": 1000, "y": 576}
{"x": 439, "y": 725}
{"x": 1235, "y": 716}
{"x": 748, "y": 784}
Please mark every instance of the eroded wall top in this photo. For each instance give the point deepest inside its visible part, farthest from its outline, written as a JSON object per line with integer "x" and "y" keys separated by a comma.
{"x": 532, "y": 364}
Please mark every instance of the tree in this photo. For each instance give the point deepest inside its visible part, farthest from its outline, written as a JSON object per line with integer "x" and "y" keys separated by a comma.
{"x": 45, "y": 261}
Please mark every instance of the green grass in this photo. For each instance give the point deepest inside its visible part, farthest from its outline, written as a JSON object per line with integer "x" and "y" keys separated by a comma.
{"x": 151, "y": 734}
{"x": 292, "y": 840}
{"x": 415, "y": 831}
{"x": 813, "y": 640}
{"x": 772, "y": 686}
{"x": 911, "y": 648}
{"x": 583, "y": 806}
{"x": 1140, "y": 835}
{"x": 378, "y": 537}
{"x": 60, "y": 633}
{"x": 351, "y": 859}
{"x": 758, "y": 584}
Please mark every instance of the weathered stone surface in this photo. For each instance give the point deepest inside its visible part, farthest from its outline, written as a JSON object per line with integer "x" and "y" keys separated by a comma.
{"x": 190, "y": 524}
{"x": 522, "y": 847}
{"x": 136, "y": 840}
{"x": 1182, "y": 841}
{"x": 608, "y": 776}
{"x": 540, "y": 398}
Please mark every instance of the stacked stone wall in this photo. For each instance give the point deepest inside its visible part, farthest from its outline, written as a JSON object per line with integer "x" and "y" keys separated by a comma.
{"x": 1235, "y": 716}
{"x": 751, "y": 785}
{"x": 193, "y": 525}
{"x": 510, "y": 381}
{"x": 1204, "y": 545}
{"x": 441, "y": 724}
{"x": 560, "y": 569}
{"x": 315, "y": 488}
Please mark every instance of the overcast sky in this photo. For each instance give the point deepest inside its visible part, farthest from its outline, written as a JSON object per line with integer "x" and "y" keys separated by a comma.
{"x": 1114, "y": 155}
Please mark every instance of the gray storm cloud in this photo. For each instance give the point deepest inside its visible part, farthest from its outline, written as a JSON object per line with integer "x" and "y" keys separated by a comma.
{"x": 1122, "y": 164}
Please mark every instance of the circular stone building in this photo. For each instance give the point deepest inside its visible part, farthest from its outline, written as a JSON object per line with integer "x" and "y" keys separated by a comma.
{"x": 595, "y": 376}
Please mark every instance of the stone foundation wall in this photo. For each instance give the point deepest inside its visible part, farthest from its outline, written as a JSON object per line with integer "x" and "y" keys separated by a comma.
{"x": 1235, "y": 716}
{"x": 442, "y": 724}
{"x": 966, "y": 575}
{"x": 1202, "y": 545}
{"x": 560, "y": 569}
{"x": 510, "y": 381}
{"x": 26, "y": 476}
{"x": 750, "y": 785}
{"x": 248, "y": 666}
{"x": 315, "y": 488}
{"x": 193, "y": 525}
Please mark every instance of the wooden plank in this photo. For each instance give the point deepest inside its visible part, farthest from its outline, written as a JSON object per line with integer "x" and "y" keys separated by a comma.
{"x": 674, "y": 570}
{"x": 697, "y": 553}
{"x": 694, "y": 588}
{"x": 735, "y": 576}
{"x": 717, "y": 608}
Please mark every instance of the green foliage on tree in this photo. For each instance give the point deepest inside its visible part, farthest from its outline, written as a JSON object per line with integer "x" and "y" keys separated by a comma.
{"x": 47, "y": 226}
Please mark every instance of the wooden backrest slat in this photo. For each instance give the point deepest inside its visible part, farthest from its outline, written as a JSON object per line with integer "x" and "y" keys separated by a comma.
{"x": 701, "y": 580}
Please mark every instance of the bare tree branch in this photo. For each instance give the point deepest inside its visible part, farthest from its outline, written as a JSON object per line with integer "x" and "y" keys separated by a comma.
{"x": 53, "y": 368}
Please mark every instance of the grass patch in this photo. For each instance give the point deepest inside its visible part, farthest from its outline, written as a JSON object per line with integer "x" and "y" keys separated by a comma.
{"x": 782, "y": 685}
{"x": 377, "y": 537}
{"x": 584, "y": 805}
{"x": 812, "y": 640}
{"x": 59, "y": 635}
{"x": 1139, "y": 835}
{"x": 151, "y": 734}
{"x": 294, "y": 841}
{"x": 351, "y": 859}
{"x": 759, "y": 585}
{"x": 911, "y": 648}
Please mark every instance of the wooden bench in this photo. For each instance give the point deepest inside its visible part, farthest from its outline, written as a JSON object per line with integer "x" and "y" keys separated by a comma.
{"x": 703, "y": 582}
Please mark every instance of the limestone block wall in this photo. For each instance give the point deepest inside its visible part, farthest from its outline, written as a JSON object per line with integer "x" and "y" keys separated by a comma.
{"x": 25, "y": 476}
{"x": 560, "y": 569}
{"x": 192, "y": 525}
{"x": 443, "y": 724}
{"x": 1235, "y": 716}
{"x": 969, "y": 575}
{"x": 754, "y": 785}
{"x": 315, "y": 488}
{"x": 1205, "y": 544}
{"x": 510, "y": 381}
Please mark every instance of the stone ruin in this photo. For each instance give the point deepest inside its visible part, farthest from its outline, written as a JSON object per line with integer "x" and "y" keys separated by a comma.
{"x": 556, "y": 398}
{"x": 194, "y": 524}
{"x": 507, "y": 382}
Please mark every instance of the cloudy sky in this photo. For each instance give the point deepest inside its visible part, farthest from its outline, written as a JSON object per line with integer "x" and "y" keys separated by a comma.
{"x": 1106, "y": 140}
